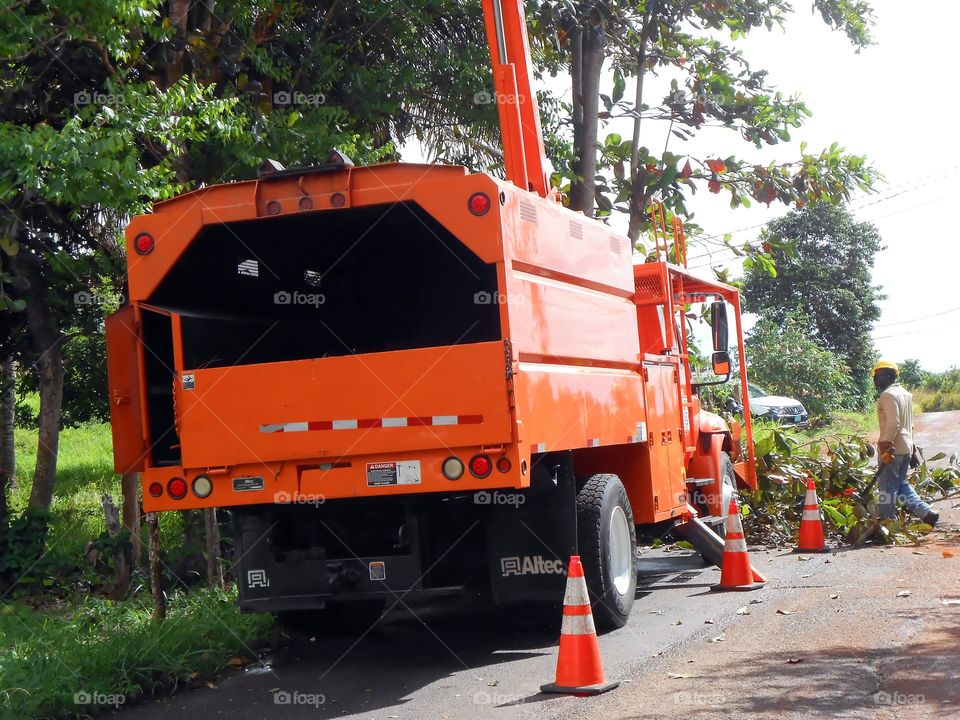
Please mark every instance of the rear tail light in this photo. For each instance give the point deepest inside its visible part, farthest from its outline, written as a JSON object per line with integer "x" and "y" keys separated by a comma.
{"x": 504, "y": 465}
{"x": 479, "y": 203}
{"x": 144, "y": 243}
{"x": 481, "y": 466}
{"x": 453, "y": 468}
{"x": 202, "y": 486}
{"x": 177, "y": 488}
{"x": 156, "y": 489}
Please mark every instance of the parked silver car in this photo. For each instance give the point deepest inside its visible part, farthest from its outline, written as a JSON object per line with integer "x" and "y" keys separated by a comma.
{"x": 784, "y": 410}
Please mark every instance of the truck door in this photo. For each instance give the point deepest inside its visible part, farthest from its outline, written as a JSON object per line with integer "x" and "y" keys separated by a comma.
{"x": 665, "y": 439}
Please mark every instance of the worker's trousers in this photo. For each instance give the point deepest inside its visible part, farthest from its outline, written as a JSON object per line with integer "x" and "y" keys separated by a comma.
{"x": 893, "y": 485}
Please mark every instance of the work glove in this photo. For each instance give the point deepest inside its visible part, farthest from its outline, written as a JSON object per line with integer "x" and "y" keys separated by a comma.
{"x": 885, "y": 450}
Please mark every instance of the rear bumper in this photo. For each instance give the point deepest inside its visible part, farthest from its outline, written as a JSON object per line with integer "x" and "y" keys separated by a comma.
{"x": 313, "y": 482}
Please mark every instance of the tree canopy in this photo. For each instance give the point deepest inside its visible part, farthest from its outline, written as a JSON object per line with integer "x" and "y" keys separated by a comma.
{"x": 824, "y": 259}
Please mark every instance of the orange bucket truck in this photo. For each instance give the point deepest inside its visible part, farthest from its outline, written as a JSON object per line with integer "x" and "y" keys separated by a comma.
{"x": 411, "y": 380}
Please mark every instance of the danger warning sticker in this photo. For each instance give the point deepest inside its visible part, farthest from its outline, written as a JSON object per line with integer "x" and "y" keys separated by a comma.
{"x": 404, "y": 472}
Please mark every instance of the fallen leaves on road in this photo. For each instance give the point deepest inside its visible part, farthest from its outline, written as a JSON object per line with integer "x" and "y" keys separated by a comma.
{"x": 803, "y": 558}
{"x": 719, "y": 638}
{"x": 743, "y": 611}
{"x": 951, "y": 601}
{"x": 756, "y": 601}
{"x": 678, "y": 622}
{"x": 794, "y": 661}
{"x": 948, "y": 553}
{"x": 904, "y": 593}
{"x": 682, "y": 676}
{"x": 784, "y": 612}
{"x": 708, "y": 622}
{"x": 834, "y": 596}
{"x": 656, "y": 612}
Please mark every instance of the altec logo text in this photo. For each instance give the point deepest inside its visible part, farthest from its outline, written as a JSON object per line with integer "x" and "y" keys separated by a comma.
{"x": 530, "y": 565}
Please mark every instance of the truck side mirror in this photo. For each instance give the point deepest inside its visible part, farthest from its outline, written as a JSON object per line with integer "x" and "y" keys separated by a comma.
{"x": 721, "y": 363}
{"x": 718, "y": 324}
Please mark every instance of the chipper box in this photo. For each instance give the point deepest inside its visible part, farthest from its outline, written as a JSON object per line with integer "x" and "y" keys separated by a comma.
{"x": 406, "y": 381}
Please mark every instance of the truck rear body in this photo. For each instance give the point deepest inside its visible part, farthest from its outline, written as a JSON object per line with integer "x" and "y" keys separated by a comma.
{"x": 320, "y": 346}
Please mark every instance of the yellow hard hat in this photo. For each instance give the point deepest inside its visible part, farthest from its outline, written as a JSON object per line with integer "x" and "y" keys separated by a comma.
{"x": 886, "y": 365}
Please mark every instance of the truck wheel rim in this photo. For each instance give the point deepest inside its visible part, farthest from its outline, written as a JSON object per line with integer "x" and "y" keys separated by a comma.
{"x": 621, "y": 556}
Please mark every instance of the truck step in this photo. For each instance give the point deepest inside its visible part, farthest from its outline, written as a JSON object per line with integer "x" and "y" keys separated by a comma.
{"x": 699, "y": 482}
{"x": 712, "y": 519}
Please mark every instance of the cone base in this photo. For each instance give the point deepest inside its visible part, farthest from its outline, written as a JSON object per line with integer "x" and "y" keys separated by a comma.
{"x": 737, "y": 588}
{"x": 812, "y": 550}
{"x": 582, "y": 690}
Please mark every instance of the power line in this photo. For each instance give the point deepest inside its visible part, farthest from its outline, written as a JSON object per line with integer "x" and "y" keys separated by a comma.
{"x": 925, "y": 317}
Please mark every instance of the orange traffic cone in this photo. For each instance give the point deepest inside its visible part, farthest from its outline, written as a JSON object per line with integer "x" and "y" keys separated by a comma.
{"x": 579, "y": 668}
{"x": 811, "y": 526}
{"x": 735, "y": 572}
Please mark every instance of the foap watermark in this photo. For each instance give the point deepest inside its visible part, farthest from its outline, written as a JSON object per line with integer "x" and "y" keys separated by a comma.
{"x": 296, "y": 498}
{"x": 100, "y": 99}
{"x": 498, "y": 498}
{"x": 285, "y": 697}
{"x": 898, "y": 698}
{"x": 87, "y": 297}
{"x": 490, "y": 298}
{"x": 485, "y": 97}
{"x": 287, "y": 98}
{"x": 299, "y": 298}
{"x": 98, "y": 699}
{"x": 699, "y": 699}
{"x": 491, "y": 698}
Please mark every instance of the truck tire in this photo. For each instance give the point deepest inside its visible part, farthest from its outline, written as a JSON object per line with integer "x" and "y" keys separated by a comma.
{"x": 608, "y": 547}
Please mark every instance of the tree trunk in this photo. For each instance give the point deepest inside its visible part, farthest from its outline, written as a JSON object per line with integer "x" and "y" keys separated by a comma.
{"x": 121, "y": 562}
{"x": 130, "y": 488}
{"x": 46, "y": 339}
{"x": 214, "y": 566}
{"x": 589, "y": 46}
{"x": 159, "y": 602}
{"x": 8, "y": 457}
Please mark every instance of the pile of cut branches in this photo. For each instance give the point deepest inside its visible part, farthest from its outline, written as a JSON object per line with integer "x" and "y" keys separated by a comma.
{"x": 841, "y": 467}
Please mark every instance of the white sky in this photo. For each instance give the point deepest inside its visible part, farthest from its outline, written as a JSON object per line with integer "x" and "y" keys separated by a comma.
{"x": 892, "y": 102}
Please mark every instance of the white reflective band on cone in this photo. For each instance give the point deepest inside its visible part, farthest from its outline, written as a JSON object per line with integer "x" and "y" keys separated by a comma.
{"x": 811, "y": 515}
{"x": 733, "y": 523}
{"x": 736, "y": 546}
{"x": 811, "y": 498}
{"x": 578, "y": 625}
{"x": 576, "y": 592}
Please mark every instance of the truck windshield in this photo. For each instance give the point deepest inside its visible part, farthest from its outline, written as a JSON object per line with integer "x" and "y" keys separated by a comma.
{"x": 363, "y": 280}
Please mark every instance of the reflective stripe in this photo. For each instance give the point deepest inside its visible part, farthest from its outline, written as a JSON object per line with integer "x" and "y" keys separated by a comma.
{"x": 578, "y": 625}
{"x": 392, "y": 422}
{"x": 576, "y": 592}
{"x": 540, "y": 447}
{"x": 811, "y": 515}
{"x": 593, "y": 442}
{"x": 739, "y": 546}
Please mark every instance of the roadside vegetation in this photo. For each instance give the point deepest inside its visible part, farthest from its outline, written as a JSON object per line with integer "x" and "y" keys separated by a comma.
{"x": 64, "y": 644}
{"x": 932, "y": 392}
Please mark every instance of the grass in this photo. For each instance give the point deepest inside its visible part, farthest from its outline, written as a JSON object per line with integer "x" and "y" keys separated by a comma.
{"x": 52, "y": 661}
{"x": 847, "y": 422}
{"x": 58, "y": 638}
{"x": 933, "y": 401}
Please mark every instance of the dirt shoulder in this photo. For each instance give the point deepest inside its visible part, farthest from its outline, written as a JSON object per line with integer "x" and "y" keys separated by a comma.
{"x": 842, "y": 641}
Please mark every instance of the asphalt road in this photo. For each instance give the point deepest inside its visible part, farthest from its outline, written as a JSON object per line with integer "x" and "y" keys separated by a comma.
{"x": 827, "y": 636}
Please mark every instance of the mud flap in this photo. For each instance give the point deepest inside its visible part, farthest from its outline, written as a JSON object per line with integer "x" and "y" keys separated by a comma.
{"x": 532, "y": 534}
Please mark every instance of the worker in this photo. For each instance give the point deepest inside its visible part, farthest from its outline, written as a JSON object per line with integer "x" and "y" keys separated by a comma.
{"x": 895, "y": 448}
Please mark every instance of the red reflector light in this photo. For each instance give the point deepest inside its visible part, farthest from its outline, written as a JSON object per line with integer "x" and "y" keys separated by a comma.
{"x": 143, "y": 243}
{"x": 156, "y": 489}
{"x": 480, "y": 466}
{"x": 338, "y": 200}
{"x": 504, "y": 465}
{"x": 479, "y": 203}
{"x": 177, "y": 488}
